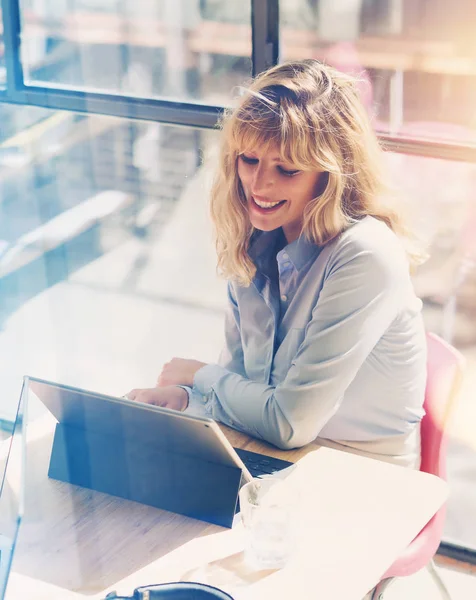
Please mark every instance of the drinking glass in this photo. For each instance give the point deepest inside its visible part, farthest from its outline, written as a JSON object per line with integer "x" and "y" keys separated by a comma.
{"x": 266, "y": 512}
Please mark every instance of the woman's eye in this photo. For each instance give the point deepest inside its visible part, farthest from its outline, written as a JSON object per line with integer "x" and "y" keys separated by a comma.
{"x": 248, "y": 159}
{"x": 287, "y": 172}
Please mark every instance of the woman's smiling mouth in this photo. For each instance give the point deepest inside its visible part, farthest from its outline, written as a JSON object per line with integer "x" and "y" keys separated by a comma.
{"x": 265, "y": 206}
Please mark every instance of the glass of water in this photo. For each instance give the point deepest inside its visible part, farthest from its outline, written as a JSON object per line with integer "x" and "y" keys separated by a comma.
{"x": 266, "y": 512}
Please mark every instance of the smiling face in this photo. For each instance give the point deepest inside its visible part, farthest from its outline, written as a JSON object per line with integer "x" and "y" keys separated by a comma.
{"x": 276, "y": 192}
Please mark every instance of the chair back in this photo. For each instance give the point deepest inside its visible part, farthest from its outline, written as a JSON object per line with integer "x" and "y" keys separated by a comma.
{"x": 445, "y": 366}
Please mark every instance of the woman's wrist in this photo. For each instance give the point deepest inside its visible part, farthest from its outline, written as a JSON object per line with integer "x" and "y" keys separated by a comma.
{"x": 186, "y": 397}
{"x": 179, "y": 371}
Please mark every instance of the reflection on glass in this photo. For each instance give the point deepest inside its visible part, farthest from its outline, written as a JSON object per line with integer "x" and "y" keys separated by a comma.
{"x": 106, "y": 252}
{"x": 445, "y": 217}
{"x": 417, "y": 63}
{"x": 177, "y": 49}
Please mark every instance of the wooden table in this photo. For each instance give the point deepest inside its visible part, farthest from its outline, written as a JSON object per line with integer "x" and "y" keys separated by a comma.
{"x": 81, "y": 540}
{"x": 74, "y": 542}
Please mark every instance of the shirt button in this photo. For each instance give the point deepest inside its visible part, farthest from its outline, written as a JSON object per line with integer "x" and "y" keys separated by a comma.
{"x": 284, "y": 298}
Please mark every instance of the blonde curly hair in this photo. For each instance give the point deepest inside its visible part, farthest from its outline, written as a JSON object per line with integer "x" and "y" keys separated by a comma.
{"x": 313, "y": 114}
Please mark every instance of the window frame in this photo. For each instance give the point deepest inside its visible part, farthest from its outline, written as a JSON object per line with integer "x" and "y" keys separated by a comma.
{"x": 265, "y": 53}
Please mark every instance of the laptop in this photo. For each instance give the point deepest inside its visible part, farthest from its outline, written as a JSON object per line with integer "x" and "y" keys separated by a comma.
{"x": 12, "y": 491}
{"x": 149, "y": 454}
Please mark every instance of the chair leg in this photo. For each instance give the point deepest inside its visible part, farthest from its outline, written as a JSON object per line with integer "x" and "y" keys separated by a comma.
{"x": 380, "y": 588}
{"x": 438, "y": 580}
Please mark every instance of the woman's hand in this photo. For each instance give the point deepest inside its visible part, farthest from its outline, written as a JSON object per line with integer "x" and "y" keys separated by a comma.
{"x": 179, "y": 371}
{"x": 171, "y": 396}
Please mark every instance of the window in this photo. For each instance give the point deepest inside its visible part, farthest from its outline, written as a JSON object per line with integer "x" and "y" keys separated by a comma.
{"x": 180, "y": 50}
{"x": 107, "y": 253}
{"x": 416, "y": 60}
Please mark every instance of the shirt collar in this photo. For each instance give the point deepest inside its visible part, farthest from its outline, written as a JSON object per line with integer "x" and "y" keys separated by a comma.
{"x": 266, "y": 245}
{"x": 300, "y": 252}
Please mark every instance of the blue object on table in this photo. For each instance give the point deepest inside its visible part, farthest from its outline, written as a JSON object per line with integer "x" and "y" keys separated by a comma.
{"x": 183, "y": 590}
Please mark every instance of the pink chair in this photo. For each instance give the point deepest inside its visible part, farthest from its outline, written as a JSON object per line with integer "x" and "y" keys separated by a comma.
{"x": 445, "y": 369}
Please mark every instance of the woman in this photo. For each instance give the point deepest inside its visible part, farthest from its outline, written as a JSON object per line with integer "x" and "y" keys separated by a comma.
{"x": 324, "y": 336}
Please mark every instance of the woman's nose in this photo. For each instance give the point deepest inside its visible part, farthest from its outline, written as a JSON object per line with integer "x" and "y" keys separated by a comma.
{"x": 262, "y": 181}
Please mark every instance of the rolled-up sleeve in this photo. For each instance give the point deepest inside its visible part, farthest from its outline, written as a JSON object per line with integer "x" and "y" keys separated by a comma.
{"x": 230, "y": 361}
{"x": 360, "y": 298}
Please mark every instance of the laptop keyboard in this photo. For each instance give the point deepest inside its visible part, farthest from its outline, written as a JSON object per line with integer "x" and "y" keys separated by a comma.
{"x": 260, "y": 464}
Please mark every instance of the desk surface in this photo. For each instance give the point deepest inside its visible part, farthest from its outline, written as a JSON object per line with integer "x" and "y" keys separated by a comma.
{"x": 77, "y": 543}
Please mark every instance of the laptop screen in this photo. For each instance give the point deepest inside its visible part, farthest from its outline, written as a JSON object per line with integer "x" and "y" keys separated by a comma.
{"x": 12, "y": 465}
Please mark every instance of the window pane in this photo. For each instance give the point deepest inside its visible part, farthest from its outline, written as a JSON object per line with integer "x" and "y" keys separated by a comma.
{"x": 416, "y": 60}
{"x": 107, "y": 264}
{"x": 445, "y": 217}
{"x": 176, "y": 49}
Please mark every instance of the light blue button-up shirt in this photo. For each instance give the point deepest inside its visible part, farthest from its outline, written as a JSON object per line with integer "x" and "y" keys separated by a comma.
{"x": 327, "y": 341}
